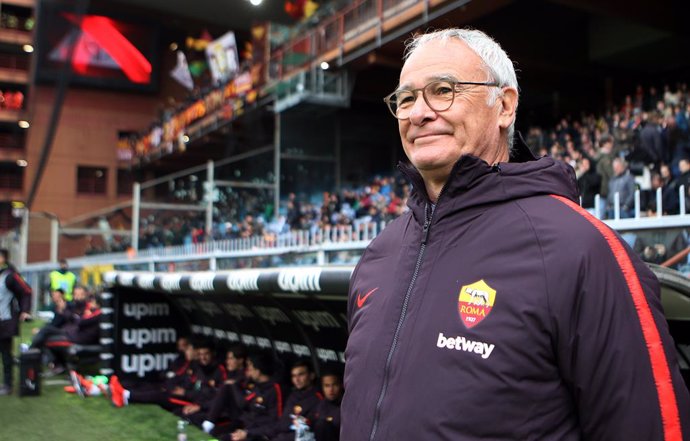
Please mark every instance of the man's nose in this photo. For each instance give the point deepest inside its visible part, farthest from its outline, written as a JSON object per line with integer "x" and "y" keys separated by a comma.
{"x": 420, "y": 110}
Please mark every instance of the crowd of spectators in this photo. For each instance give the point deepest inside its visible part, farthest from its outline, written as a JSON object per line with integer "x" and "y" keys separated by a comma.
{"x": 11, "y": 99}
{"x": 642, "y": 143}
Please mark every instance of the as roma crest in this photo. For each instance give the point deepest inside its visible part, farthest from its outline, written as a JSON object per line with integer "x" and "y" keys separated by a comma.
{"x": 475, "y": 302}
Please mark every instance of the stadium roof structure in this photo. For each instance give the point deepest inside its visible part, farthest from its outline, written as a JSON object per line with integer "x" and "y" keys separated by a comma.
{"x": 236, "y": 15}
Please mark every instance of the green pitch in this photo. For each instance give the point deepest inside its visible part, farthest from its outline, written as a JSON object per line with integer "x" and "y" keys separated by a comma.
{"x": 59, "y": 416}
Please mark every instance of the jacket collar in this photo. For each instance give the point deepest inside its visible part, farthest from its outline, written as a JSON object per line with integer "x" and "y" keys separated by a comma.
{"x": 473, "y": 182}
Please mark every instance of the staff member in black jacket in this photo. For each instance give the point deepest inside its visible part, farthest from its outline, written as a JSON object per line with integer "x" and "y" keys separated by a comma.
{"x": 15, "y": 306}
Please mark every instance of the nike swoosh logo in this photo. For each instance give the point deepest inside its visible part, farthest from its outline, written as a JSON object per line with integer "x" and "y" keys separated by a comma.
{"x": 361, "y": 300}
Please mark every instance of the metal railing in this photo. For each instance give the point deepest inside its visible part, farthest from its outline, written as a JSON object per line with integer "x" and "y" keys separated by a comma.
{"x": 327, "y": 246}
{"x": 346, "y": 32}
{"x": 334, "y": 239}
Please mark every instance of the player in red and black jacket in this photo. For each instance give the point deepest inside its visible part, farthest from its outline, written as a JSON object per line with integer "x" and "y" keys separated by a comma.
{"x": 172, "y": 395}
{"x": 209, "y": 375}
{"x": 223, "y": 408}
{"x": 15, "y": 306}
{"x": 262, "y": 403}
{"x": 326, "y": 421}
{"x": 301, "y": 403}
{"x": 181, "y": 362}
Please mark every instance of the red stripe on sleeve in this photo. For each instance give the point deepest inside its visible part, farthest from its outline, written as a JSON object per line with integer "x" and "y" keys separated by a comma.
{"x": 58, "y": 344}
{"x": 660, "y": 370}
{"x": 180, "y": 402}
{"x": 182, "y": 369}
{"x": 279, "y": 395}
{"x": 22, "y": 282}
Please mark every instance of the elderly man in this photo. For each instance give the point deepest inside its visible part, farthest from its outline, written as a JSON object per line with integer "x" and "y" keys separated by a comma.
{"x": 497, "y": 308}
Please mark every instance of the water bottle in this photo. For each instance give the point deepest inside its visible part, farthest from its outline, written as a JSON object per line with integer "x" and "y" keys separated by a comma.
{"x": 302, "y": 430}
{"x": 181, "y": 430}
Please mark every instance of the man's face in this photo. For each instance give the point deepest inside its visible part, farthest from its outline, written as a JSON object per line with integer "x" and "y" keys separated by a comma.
{"x": 585, "y": 165}
{"x": 252, "y": 372}
{"x": 618, "y": 168}
{"x": 301, "y": 377}
{"x": 182, "y": 345}
{"x": 190, "y": 353}
{"x": 332, "y": 387}
{"x": 56, "y": 296}
{"x": 434, "y": 141}
{"x": 79, "y": 294}
{"x": 204, "y": 356}
{"x": 233, "y": 363}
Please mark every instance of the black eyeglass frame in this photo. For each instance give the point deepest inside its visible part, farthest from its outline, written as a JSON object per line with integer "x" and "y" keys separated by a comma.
{"x": 454, "y": 84}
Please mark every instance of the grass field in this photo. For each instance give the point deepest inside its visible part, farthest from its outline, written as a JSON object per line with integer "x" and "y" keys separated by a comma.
{"x": 58, "y": 416}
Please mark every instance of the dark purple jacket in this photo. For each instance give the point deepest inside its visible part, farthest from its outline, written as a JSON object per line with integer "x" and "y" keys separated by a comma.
{"x": 507, "y": 313}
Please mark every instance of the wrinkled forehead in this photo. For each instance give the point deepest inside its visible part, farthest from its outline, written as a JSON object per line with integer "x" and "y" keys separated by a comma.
{"x": 449, "y": 59}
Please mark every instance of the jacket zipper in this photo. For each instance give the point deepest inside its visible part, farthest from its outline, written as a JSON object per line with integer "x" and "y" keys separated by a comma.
{"x": 403, "y": 313}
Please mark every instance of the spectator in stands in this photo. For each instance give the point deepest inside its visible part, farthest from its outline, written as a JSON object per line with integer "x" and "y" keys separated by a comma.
{"x": 326, "y": 421}
{"x": 622, "y": 136}
{"x": 484, "y": 213}
{"x": 294, "y": 209}
{"x": 671, "y": 193}
{"x": 605, "y": 164}
{"x": 63, "y": 279}
{"x": 623, "y": 184}
{"x": 588, "y": 181}
{"x": 15, "y": 307}
{"x": 648, "y": 197}
{"x": 651, "y": 142}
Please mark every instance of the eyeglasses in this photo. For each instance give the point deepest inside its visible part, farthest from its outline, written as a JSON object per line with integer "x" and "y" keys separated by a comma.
{"x": 438, "y": 95}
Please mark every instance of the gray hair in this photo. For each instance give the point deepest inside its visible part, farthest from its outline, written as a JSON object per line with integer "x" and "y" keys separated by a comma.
{"x": 496, "y": 62}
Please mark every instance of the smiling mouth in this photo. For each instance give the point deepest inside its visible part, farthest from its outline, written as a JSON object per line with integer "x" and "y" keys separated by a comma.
{"x": 431, "y": 135}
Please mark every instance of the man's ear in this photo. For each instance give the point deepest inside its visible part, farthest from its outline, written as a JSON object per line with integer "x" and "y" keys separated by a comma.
{"x": 508, "y": 101}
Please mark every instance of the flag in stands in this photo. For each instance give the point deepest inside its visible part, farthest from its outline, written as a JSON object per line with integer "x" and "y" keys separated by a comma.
{"x": 181, "y": 73}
